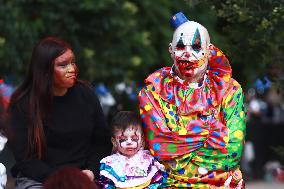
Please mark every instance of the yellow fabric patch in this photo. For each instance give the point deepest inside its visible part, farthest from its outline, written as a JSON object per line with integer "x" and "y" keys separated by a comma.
{"x": 226, "y": 77}
{"x": 183, "y": 131}
{"x": 242, "y": 114}
{"x": 204, "y": 132}
{"x": 236, "y": 83}
{"x": 198, "y": 159}
{"x": 219, "y": 53}
{"x": 157, "y": 74}
{"x": 228, "y": 98}
{"x": 226, "y": 139}
{"x": 239, "y": 134}
{"x": 148, "y": 107}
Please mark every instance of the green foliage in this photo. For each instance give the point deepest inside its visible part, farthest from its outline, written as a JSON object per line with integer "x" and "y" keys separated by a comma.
{"x": 117, "y": 40}
{"x": 254, "y": 33}
{"x": 113, "y": 40}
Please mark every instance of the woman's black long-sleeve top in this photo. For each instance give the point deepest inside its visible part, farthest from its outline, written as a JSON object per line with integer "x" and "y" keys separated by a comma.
{"x": 76, "y": 135}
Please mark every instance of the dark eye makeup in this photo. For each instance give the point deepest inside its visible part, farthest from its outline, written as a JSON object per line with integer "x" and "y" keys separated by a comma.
{"x": 196, "y": 47}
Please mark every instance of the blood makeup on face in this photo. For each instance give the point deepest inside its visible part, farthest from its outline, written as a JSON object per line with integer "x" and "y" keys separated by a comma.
{"x": 185, "y": 66}
{"x": 188, "y": 53}
{"x": 65, "y": 70}
{"x": 190, "y": 68}
{"x": 129, "y": 141}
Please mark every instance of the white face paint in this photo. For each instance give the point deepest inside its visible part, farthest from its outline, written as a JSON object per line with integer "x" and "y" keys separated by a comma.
{"x": 129, "y": 141}
{"x": 189, "y": 50}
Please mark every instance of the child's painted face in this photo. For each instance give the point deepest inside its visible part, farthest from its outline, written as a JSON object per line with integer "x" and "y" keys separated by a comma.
{"x": 129, "y": 141}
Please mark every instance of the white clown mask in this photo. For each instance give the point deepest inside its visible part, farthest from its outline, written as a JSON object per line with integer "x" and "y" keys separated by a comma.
{"x": 189, "y": 50}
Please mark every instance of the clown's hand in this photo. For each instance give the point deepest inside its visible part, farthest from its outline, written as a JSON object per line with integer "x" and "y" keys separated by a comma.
{"x": 228, "y": 182}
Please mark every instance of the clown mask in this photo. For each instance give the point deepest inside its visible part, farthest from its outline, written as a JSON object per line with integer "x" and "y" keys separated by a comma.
{"x": 129, "y": 141}
{"x": 189, "y": 50}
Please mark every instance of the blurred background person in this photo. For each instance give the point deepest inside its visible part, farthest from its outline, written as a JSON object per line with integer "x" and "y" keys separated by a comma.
{"x": 3, "y": 139}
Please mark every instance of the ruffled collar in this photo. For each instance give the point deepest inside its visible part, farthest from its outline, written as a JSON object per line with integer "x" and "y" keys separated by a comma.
{"x": 204, "y": 98}
{"x": 135, "y": 166}
{"x": 130, "y": 172}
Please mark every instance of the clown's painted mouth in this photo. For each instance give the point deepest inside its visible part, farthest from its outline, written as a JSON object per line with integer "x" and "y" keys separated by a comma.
{"x": 187, "y": 65}
{"x": 190, "y": 67}
{"x": 183, "y": 62}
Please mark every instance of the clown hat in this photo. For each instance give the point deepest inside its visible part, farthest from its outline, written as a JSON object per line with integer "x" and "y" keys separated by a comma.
{"x": 177, "y": 20}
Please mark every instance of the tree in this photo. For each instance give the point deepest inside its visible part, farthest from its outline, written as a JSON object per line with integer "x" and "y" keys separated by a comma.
{"x": 253, "y": 30}
{"x": 117, "y": 40}
{"x": 113, "y": 39}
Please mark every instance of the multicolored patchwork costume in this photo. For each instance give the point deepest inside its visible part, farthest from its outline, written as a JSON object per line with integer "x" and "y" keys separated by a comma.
{"x": 197, "y": 132}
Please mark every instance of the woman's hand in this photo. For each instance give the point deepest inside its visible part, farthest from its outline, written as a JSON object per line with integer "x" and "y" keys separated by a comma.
{"x": 89, "y": 173}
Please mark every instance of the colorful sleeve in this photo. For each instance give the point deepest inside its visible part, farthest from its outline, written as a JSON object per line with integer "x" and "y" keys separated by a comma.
{"x": 152, "y": 118}
{"x": 234, "y": 115}
{"x": 234, "y": 118}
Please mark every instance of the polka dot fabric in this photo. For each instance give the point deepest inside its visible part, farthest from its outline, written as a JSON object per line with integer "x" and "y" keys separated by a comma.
{"x": 197, "y": 133}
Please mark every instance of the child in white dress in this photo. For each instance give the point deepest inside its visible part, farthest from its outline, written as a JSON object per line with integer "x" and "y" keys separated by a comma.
{"x": 130, "y": 166}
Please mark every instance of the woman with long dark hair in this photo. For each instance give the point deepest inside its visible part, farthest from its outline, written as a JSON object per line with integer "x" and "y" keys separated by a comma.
{"x": 56, "y": 120}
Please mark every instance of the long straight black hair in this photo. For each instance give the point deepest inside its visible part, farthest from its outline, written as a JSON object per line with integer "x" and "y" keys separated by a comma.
{"x": 35, "y": 93}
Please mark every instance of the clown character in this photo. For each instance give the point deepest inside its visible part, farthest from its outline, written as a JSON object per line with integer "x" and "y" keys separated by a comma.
{"x": 129, "y": 166}
{"x": 193, "y": 113}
